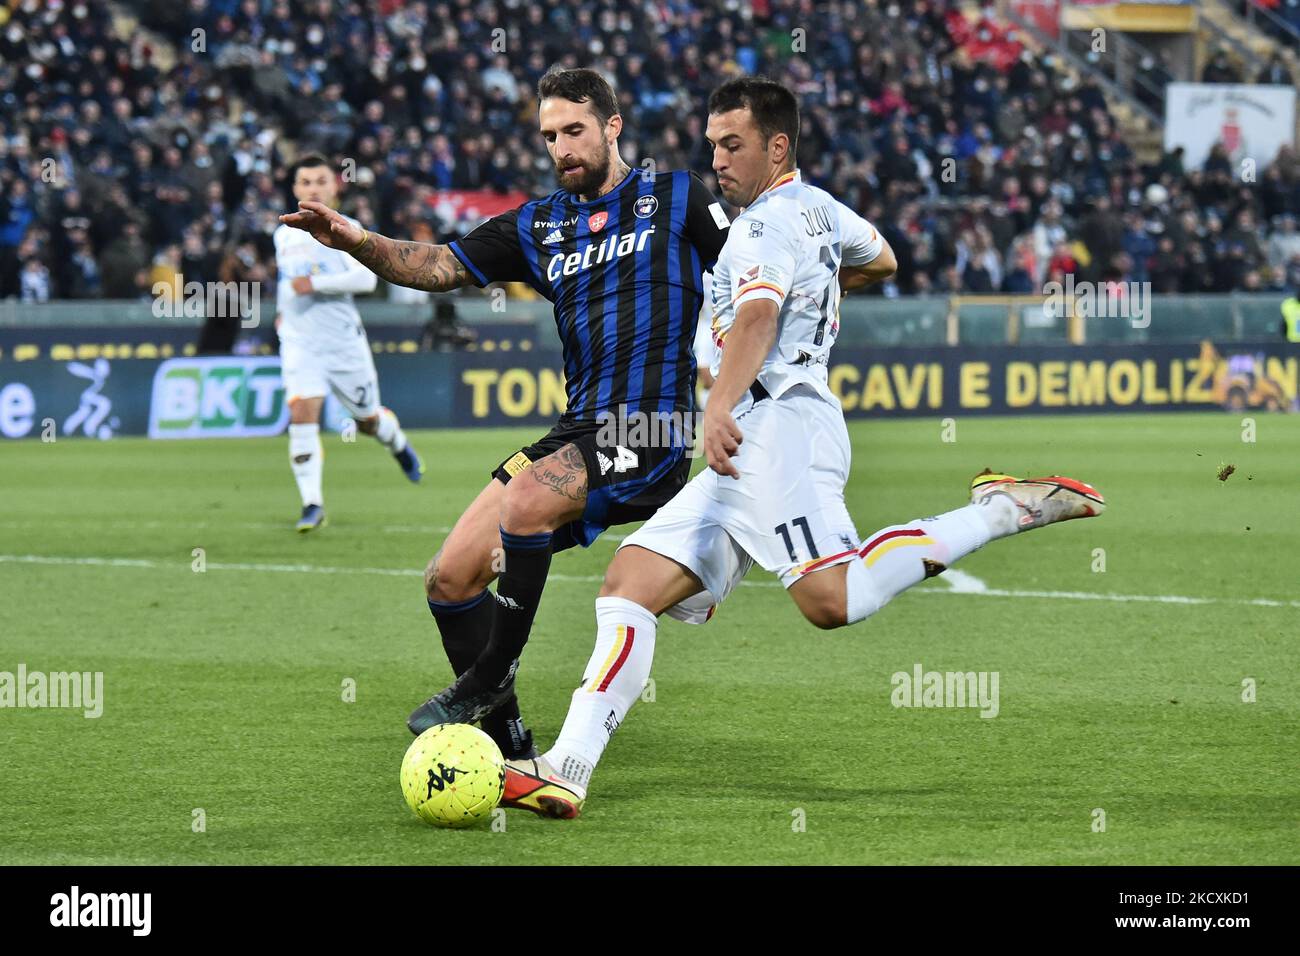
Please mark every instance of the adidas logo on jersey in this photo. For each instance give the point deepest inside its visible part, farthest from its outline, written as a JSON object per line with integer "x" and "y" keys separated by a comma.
{"x": 605, "y": 462}
{"x": 553, "y": 237}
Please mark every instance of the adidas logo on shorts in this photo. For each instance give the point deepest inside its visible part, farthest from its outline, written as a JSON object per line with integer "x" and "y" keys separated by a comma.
{"x": 605, "y": 463}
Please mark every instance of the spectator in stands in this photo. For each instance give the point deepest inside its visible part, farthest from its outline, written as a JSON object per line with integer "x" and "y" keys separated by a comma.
{"x": 1275, "y": 72}
{"x": 1049, "y": 233}
{"x": 1021, "y": 267}
{"x": 978, "y": 261}
{"x": 1284, "y": 243}
{"x": 1167, "y": 266}
{"x": 1153, "y": 75}
{"x": 1102, "y": 233}
{"x": 17, "y": 214}
{"x": 123, "y": 263}
{"x": 1220, "y": 69}
{"x": 1139, "y": 246}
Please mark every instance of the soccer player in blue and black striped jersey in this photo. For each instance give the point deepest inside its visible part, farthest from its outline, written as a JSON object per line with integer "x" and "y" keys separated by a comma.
{"x": 620, "y": 252}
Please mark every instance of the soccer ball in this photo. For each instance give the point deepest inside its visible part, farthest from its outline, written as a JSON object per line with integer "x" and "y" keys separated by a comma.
{"x": 453, "y": 775}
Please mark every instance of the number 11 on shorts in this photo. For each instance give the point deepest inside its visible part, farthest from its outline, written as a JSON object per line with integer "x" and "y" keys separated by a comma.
{"x": 784, "y": 532}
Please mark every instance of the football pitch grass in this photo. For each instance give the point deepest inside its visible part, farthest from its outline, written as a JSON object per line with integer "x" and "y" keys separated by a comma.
{"x": 1120, "y": 692}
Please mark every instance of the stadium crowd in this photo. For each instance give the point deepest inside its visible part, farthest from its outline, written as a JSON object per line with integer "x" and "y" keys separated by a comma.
{"x": 126, "y": 157}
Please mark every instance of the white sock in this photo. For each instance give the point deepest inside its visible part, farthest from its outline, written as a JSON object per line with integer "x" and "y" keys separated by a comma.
{"x": 305, "y": 454}
{"x": 389, "y": 432}
{"x": 893, "y": 559}
{"x": 613, "y": 680}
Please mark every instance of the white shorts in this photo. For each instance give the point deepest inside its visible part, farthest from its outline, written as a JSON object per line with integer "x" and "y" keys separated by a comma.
{"x": 349, "y": 373}
{"x": 786, "y": 512}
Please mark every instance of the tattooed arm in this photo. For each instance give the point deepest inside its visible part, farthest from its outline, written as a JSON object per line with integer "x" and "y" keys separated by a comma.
{"x": 417, "y": 265}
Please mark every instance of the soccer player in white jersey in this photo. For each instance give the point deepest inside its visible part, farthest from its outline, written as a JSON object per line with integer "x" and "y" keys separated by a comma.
{"x": 323, "y": 345}
{"x": 777, "y": 448}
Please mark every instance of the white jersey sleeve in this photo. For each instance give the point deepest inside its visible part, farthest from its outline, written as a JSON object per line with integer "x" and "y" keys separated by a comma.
{"x": 861, "y": 242}
{"x": 355, "y": 278}
{"x": 763, "y": 258}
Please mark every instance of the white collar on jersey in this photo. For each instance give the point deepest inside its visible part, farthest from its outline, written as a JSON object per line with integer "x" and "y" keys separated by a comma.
{"x": 785, "y": 179}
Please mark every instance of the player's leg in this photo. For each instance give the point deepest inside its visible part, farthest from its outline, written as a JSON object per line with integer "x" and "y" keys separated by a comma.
{"x": 564, "y": 497}
{"x": 306, "y": 456}
{"x": 793, "y": 520}
{"x": 547, "y": 495}
{"x": 456, "y": 579}
{"x": 898, "y": 557}
{"x": 456, "y": 585}
{"x": 679, "y": 557}
{"x": 356, "y": 384}
{"x": 305, "y": 383}
{"x": 550, "y": 494}
{"x": 585, "y": 486}
{"x": 530, "y": 497}
{"x": 639, "y": 586}
{"x": 384, "y": 427}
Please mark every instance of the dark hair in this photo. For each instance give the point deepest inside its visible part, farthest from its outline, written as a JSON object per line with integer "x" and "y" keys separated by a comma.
{"x": 308, "y": 161}
{"x": 580, "y": 86}
{"x": 774, "y": 107}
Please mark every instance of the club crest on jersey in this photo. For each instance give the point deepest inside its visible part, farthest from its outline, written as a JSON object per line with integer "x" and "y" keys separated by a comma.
{"x": 645, "y": 207}
{"x": 596, "y": 221}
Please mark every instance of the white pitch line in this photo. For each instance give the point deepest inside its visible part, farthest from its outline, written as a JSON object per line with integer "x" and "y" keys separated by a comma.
{"x": 240, "y": 525}
{"x": 966, "y": 585}
{"x": 962, "y": 582}
{"x": 125, "y": 525}
{"x": 1141, "y": 598}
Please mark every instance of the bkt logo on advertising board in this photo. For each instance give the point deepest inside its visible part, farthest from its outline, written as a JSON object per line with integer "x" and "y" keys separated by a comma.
{"x": 217, "y": 398}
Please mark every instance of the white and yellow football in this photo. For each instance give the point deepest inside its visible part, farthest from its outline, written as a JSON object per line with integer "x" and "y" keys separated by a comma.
{"x": 453, "y": 775}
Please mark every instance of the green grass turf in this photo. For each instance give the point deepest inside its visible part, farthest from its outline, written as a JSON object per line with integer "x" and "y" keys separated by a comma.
{"x": 223, "y": 689}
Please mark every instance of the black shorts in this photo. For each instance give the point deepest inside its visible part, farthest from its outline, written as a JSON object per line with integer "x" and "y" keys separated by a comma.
{"x": 625, "y": 483}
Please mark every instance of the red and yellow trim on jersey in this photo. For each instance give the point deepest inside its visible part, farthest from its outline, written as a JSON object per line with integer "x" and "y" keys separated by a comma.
{"x": 786, "y": 178}
{"x": 618, "y": 654}
{"x": 716, "y": 330}
{"x": 872, "y": 551}
{"x": 754, "y": 284}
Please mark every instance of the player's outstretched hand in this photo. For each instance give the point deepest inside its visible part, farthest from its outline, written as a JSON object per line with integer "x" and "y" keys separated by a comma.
{"x": 325, "y": 225}
{"x": 722, "y": 440}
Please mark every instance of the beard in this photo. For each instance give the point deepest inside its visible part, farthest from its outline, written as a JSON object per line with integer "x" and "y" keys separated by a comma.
{"x": 587, "y": 180}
